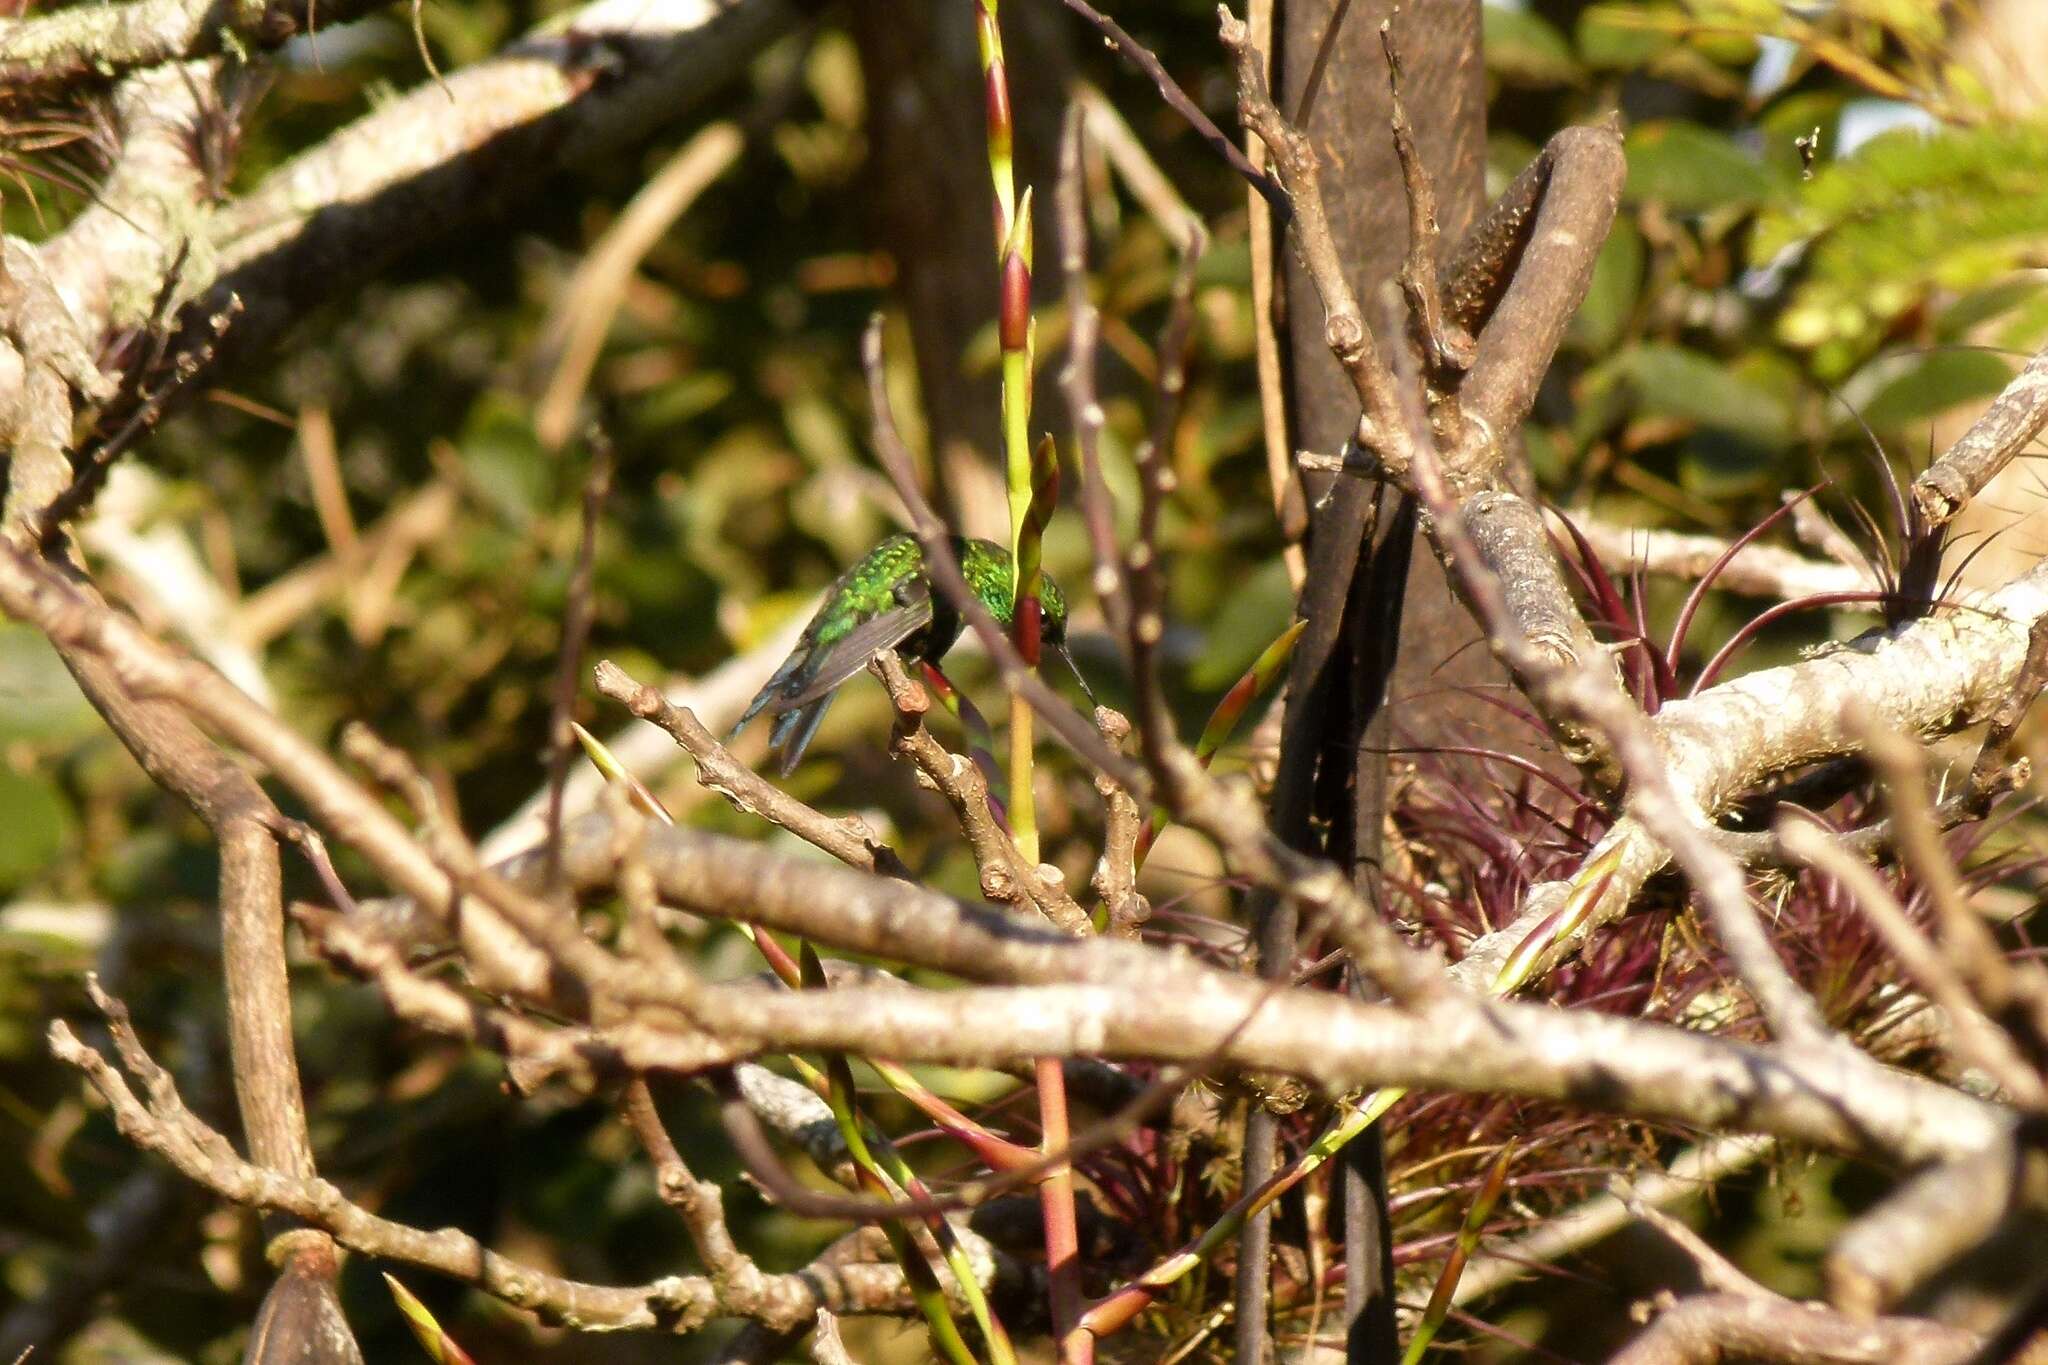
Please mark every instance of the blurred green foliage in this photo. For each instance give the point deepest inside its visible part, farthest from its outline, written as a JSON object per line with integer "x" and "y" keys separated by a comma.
{"x": 1738, "y": 303}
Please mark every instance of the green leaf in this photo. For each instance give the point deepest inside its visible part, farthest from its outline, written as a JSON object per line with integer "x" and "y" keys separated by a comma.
{"x": 1611, "y": 298}
{"x": 1691, "y": 169}
{"x": 1934, "y": 383}
{"x": 1622, "y": 37}
{"x": 1249, "y": 618}
{"x": 504, "y": 458}
{"x": 33, "y": 832}
{"x": 1720, "y": 468}
{"x": 1524, "y": 48}
{"x": 38, "y": 699}
{"x": 1911, "y": 213}
{"x": 1672, "y": 381}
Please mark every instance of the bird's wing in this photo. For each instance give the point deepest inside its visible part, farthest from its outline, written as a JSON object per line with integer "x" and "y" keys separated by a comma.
{"x": 849, "y": 654}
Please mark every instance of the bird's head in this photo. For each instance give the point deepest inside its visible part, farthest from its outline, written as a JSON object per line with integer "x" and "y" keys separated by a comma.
{"x": 1052, "y": 628}
{"x": 1052, "y": 612}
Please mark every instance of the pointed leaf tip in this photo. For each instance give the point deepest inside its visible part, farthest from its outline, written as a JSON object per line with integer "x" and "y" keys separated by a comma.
{"x": 439, "y": 1346}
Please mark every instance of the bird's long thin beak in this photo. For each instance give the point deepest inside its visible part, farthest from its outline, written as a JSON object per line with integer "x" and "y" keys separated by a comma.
{"x": 1075, "y": 669}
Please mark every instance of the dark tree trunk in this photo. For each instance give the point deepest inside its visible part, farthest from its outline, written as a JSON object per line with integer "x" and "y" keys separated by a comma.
{"x": 1382, "y": 622}
{"x": 1446, "y": 91}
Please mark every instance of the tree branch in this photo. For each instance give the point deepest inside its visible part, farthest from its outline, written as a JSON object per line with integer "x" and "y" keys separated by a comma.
{"x": 1965, "y": 468}
{"x": 1716, "y": 1327}
{"x": 90, "y": 43}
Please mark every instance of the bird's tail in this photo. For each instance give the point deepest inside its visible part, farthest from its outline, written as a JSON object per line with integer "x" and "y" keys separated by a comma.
{"x": 782, "y": 684}
{"x": 794, "y": 729}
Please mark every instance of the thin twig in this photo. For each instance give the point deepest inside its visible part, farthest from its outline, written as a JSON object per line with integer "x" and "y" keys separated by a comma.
{"x": 1344, "y": 326}
{"x": 2014, "y": 418}
{"x": 1004, "y": 874}
{"x": 1447, "y": 347}
{"x": 1156, "y": 480}
{"x": 1077, "y": 376}
{"x": 848, "y": 839}
{"x": 576, "y": 618}
{"x": 1970, "y": 1035}
{"x": 1177, "y": 100}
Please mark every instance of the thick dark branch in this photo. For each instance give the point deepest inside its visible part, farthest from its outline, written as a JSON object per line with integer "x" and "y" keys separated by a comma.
{"x": 1550, "y": 280}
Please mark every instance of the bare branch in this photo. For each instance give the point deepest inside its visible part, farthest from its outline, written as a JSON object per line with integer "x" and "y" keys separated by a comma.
{"x": 1929, "y": 1222}
{"x": 124, "y": 660}
{"x": 1077, "y": 376}
{"x": 590, "y": 80}
{"x": 1177, "y": 100}
{"x": 2014, "y": 418}
{"x": 112, "y": 258}
{"x": 1344, "y": 325}
{"x": 1935, "y": 676}
{"x": 1509, "y": 535}
{"x": 1520, "y": 337}
{"x": 48, "y": 52}
{"x": 1447, "y": 347}
{"x": 677, "y": 1304}
{"x": 1693, "y": 1173}
{"x": 848, "y": 839}
{"x": 1717, "y": 1327}
{"x": 576, "y": 617}
{"x": 826, "y": 1347}
{"x": 1717, "y": 1272}
{"x": 1756, "y": 570}
{"x": 1062, "y": 996}
{"x": 1970, "y": 1034}
{"x": 1004, "y": 874}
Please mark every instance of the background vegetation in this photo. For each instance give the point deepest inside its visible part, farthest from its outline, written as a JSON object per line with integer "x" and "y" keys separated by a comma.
{"x": 374, "y": 529}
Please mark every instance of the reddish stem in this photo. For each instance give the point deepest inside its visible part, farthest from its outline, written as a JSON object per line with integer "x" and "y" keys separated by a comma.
{"x": 1062, "y": 1230}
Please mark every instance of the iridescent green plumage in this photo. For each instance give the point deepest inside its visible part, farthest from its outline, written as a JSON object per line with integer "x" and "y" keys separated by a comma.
{"x": 888, "y": 601}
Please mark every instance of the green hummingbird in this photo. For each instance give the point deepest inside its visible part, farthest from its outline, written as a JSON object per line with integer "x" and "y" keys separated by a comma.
{"x": 888, "y": 601}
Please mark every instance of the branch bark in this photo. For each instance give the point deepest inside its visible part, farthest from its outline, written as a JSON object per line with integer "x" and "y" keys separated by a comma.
{"x": 90, "y": 43}
{"x": 1990, "y": 444}
{"x": 1716, "y": 1327}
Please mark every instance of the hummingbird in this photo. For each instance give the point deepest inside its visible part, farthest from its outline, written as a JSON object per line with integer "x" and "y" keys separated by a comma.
{"x": 888, "y": 601}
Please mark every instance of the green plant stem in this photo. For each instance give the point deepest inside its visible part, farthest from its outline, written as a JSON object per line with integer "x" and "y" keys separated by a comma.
{"x": 1454, "y": 1266}
{"x": 836, "y": 1085}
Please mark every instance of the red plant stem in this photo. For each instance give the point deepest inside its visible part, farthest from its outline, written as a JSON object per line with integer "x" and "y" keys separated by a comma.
{"x": 1062, "y": 1229}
